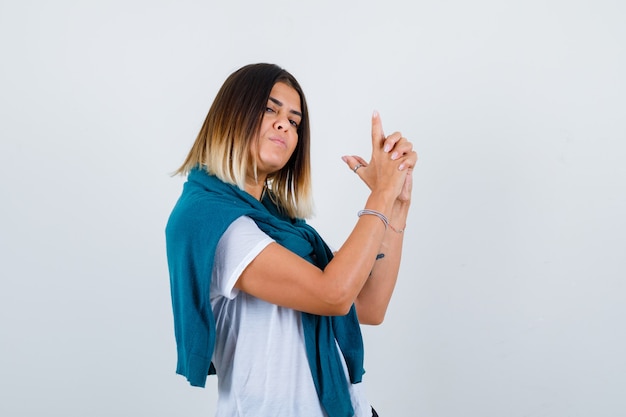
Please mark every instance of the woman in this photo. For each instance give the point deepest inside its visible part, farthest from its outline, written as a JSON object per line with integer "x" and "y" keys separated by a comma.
{"x": 258, "y": 297}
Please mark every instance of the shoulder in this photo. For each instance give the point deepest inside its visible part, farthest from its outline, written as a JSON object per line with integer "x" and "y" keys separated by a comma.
{"x": 198, "y": 211}
{"x": 243, "y": 231}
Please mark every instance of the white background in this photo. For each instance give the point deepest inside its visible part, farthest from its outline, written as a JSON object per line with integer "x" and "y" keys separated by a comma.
{"x": 511, "y": 300}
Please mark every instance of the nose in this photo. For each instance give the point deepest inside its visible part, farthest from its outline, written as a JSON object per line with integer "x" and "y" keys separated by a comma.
{"x": 282, "y": 123}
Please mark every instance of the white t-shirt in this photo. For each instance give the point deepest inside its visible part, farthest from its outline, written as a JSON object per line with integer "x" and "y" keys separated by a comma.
{"x": 260, "y": 355}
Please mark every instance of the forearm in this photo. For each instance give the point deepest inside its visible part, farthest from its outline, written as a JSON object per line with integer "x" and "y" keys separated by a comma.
{"x": 374, "y": 297}
{"x": 353, "y": 262}
{"x": 280, "y": 277}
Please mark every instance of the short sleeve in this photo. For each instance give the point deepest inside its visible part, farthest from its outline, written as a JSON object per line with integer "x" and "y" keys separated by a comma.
{"x": 238, "y": 246}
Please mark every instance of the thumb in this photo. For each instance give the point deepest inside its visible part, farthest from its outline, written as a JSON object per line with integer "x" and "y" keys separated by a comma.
{"x": 378, "y": 136}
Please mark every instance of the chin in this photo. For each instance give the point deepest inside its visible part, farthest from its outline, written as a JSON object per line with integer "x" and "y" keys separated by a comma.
{"x": 273, "y": 167}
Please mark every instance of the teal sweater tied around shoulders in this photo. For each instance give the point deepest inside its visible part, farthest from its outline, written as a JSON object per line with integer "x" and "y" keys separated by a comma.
{"x": 205, "y": 209}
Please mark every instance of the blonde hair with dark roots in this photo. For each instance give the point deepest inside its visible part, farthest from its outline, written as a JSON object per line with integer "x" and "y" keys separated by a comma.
{"x": 223, "y": 146}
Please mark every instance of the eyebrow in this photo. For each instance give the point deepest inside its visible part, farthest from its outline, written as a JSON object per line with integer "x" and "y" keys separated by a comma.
{"x": 279, "y": 103}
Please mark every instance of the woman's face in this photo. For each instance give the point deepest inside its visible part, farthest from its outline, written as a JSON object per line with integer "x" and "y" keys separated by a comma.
{"x": 278, "y": 135}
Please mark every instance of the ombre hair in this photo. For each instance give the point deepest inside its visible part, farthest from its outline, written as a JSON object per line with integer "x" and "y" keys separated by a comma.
{"x": 230, "y": 131}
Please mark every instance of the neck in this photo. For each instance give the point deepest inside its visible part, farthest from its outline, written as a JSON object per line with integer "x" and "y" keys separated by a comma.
{"x": 255, "y": 187}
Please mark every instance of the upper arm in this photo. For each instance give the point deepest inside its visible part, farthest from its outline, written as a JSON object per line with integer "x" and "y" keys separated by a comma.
{"x": 238, "y": 246}
{"x": 281, "y": 277}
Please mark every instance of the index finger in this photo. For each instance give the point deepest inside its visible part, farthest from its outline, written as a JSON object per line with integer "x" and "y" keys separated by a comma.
{"x": 378, "y": 136}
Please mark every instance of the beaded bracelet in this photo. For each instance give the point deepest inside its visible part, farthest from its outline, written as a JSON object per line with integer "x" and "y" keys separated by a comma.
{"x": 378, "y": 214}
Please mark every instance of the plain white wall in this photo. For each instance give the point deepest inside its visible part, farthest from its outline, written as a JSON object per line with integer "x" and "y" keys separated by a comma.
{"x": 511, "y": 300}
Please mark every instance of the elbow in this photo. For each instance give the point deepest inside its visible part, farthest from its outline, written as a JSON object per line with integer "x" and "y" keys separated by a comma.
{"x": 339, "y": 302}
{"x": 377, "y": 321}
{"x": 369, "y": 313}
{"x": 372, "y": 319}
{"x": 339, "y": 308}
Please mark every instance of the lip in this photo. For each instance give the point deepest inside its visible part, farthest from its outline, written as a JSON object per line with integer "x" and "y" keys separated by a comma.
{"x": 279, "y": 141}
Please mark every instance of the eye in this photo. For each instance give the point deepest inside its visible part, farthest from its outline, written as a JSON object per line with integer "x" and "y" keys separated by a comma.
{"x": 269, "y": 110}
{"x": 294, "y": 123}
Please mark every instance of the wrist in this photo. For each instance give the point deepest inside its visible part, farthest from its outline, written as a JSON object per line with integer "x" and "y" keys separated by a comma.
{"x": 399, "y": 214}
{"x": 401, "y": 204}
{"x": 400, "y": 209}
{"x": 382, "y": 202}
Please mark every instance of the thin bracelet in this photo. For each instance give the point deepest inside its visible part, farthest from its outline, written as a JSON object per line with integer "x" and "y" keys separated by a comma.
{"x": 397, "y": 230}
{"x": 378, "y": 214}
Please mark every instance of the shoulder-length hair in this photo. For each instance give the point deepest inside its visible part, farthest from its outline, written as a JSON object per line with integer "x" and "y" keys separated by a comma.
{"x": 225, "y": 142}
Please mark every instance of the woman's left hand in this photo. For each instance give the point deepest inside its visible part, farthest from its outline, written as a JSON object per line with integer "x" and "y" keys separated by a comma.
{"x": 407, "y": 188}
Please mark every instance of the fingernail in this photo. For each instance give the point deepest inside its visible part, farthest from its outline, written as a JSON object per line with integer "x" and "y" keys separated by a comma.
{"x": 344, "y": 158}
{"x": 387, "y": 148}
{"x": 394, "y": 156}
{"x": 375, "y": 114}
{"x": 401, "y": 167}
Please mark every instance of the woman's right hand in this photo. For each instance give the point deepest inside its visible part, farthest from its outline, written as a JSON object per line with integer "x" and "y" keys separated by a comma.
{"x": 391, "y": 164}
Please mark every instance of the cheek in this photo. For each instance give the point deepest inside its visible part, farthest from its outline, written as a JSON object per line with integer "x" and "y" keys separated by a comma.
{"x": 253, "y": 150}
{"x": 295, "y": 140}
{"x": 294, "y": 153}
